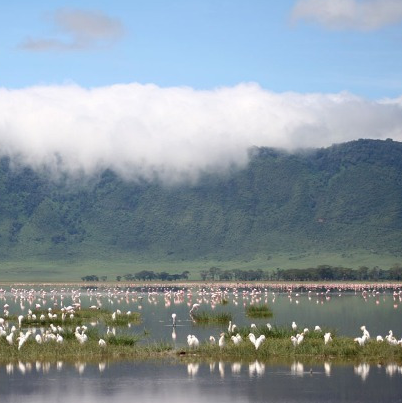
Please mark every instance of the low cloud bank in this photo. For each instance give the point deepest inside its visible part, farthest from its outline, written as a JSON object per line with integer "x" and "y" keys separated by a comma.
{"x": 174, "y": 134}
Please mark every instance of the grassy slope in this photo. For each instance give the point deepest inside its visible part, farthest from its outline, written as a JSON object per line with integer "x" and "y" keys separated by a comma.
{"x": 58, "y": 271}
{"x": 338, "y": 206}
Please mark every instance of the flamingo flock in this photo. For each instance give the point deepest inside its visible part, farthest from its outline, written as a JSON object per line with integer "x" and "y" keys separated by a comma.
{"x": 34, "y": 305}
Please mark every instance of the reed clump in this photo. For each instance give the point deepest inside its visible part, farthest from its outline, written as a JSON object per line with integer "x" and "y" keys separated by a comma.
{"x": 120, "y": 346}
{"x": 79, "y": 317}
{"x": 205, "y": 318}
{"x": 278, "y": 344}
{"x": 258, "y": 311}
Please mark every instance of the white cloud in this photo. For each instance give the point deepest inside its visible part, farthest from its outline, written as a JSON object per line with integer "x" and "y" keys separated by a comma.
{"x": 78, "y": 30}
{"x": 176, "y": 133}
{"x": 349, "y": 14}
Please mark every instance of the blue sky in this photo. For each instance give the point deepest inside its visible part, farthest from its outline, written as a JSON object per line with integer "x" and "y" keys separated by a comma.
{"x": 174, "y": 88}
{"x": 203, "y": 44}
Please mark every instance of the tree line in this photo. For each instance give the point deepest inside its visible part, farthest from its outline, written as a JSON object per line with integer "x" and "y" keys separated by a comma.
{"x": 144, "y": 275}
{"x": 319, "y": 273}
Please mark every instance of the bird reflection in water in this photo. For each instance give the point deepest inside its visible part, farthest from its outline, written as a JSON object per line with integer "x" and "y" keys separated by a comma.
{"x": 362, "y": 370}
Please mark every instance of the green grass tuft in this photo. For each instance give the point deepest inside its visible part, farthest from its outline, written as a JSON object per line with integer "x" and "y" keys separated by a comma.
{"x": 259, "y": 311}
{"x": 212, "y": 317}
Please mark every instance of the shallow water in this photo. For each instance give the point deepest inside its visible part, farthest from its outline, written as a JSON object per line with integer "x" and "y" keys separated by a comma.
{"x": 179, "y": 381}
{"x": 343, "y": 312}
{"x": 171, "y": 381}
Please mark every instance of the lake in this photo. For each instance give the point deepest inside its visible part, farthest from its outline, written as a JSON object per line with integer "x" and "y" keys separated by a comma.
{"x": 343, "y": 311}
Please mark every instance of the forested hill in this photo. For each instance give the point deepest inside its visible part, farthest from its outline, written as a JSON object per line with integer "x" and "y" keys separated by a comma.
{"x": 344, "y": 197}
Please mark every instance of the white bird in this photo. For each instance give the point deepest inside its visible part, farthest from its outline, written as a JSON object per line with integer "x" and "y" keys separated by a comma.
{"x": 10, "y": 338}
{"x": 269, "y": 326}
{"x": 236, "y": 339}
{"x": 317, "y": 329}
{"x": 300, "y": 338}
{"x": 259, "y": 341}
{"x": 252, "y": 338}
{"x": 221, "y": 342}
{"x": 192, "y": 341}
{"x": 102, "y": 343}
{"x": 365, "y": 332}
{"x": 379, "y": 338}
{"x": 194, "y": 308}
{"x": 59, "y": 338}
{"x": 327, "y": 338}
{"x": 212, "y": 340}
{"x": 360, "y": 340}
{"x": 20, "y": 318}
{"x": 294, "y": 326}
{"x": 173, "y": 319}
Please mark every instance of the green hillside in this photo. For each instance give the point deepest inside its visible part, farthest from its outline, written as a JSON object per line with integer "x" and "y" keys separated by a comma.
{"x": 340, "y": 203}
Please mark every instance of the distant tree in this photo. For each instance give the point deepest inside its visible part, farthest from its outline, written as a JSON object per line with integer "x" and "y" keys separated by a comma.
{"x": 163, "y": 275}
{"x": 214, "y": 272}
{"x": 145, "y": 275}
{"x": 118, "y": 278}
{"x": 91, "y": 277}
{"x": 103, "y": 278}
{"x": 226, "y": 275}
{"x": 395, "y": 272}
{"x": 363, "y": 272}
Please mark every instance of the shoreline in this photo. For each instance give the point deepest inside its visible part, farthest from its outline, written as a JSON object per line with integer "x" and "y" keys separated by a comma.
{"x": 340, "y": 349}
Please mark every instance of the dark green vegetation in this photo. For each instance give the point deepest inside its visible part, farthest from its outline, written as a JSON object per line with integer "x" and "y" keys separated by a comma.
{"x": 211, "y": 317}
{"x": 340, "y": 348}
{"x": 80, "y": 317}
{"x": 341, "y": 206}
{"x": 258, "y": 311}
{"x": 319, "y": 273}
{"x": 120, "y": 346}
{"x": 276, "y": 345}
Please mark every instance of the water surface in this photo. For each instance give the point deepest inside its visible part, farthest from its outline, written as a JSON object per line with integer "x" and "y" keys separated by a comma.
{"x": 171, "y": 381}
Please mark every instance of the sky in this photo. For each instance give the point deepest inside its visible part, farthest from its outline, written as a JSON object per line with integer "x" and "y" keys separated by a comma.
{"x": 172, "y": 88}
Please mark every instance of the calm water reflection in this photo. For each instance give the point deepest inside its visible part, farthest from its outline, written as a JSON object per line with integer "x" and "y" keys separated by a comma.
{"x": 170, "y": 381}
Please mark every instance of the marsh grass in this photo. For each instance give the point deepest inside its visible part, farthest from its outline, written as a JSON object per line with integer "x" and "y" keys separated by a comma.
{"x": 340, "y": 348}
{"x": 205, "y": 318}
{"x": 122, "y": 340}
{"x": 281, "y": 332}
{"x": 276, "y": 346}
{"x": 81, "y": 317}
{"x": 258, "y": 311}
{"x": 121, "y": 346}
